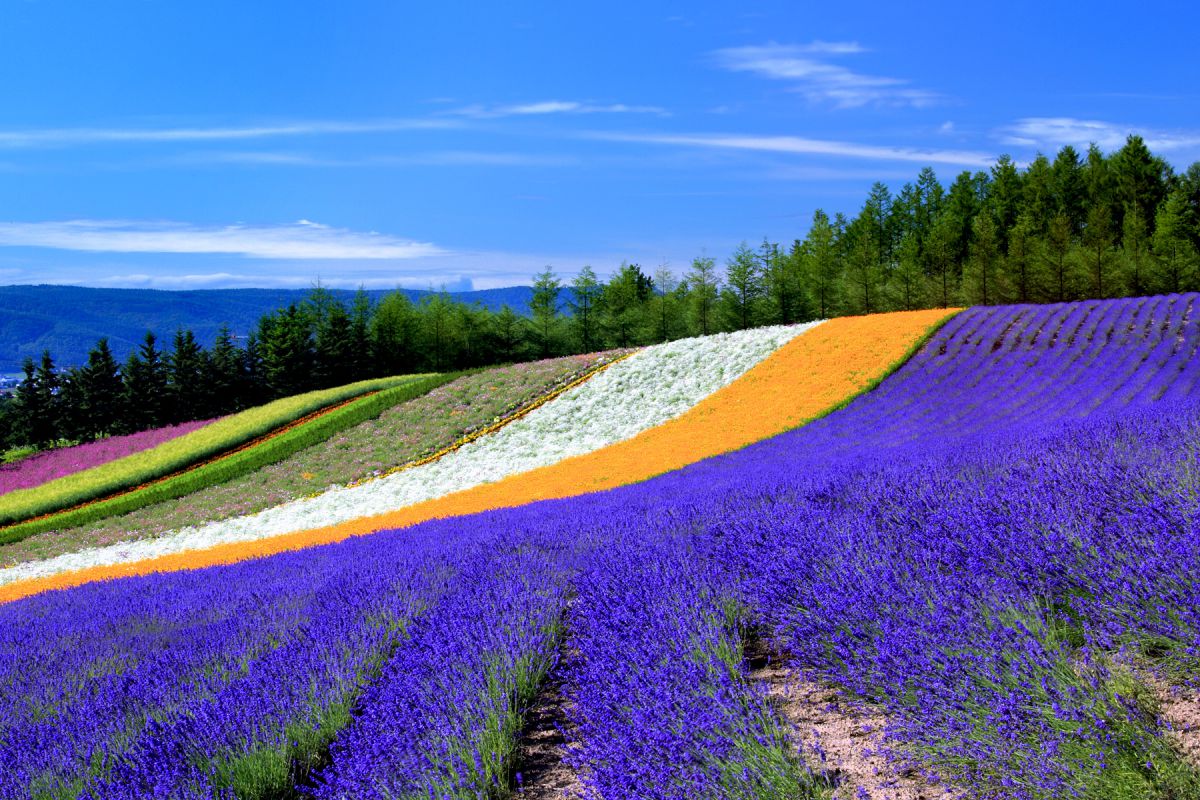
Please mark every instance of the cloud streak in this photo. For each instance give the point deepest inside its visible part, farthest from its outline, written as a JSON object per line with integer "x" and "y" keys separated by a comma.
{"x": 796, "y": 145}
{"x": 546, "y": 107}
{"x": 1059, "y": 131}
{"x": 811, "y": 73}
{"x": 302, "y": 240}
{"x": 64, "y": 137}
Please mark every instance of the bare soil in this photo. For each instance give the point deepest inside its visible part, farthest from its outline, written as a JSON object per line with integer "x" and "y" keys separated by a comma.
{"x": 842, "y": 738}
{"x": 542, "y": 750}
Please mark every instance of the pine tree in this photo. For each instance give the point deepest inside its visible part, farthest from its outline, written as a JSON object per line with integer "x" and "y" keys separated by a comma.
{"x": 227, "y": 374}
{"x": 187, "y": 379}
{"x": 146, "y": 398}
{"x": 907, "y": 284}
{"x": 34, "y": 410}
{"x": 1175, "y": 256}
{"x": 436, "y": 316}
{"x": 1070, "y": 192}
{"x": 1097, "y": 244}
{"x": 508, "y": 334}
{"x": 101, "y": 393}
{"x": 395, "y": 331}
{"x": 361, "y": 360}
{"x": 665, "y": 300}
{"x": 543, "y": 307}
{"x": 822, "y": 269}
{"x": 585, "y": 290}
{"x": 744, "y": 284}
{"x": 334, "y": 353}
{"x": 1021, "y": 261}
{"x": 623, "y": 305}
{"x": 939, "y": 253}
{"x": 285, "y": 352}
{"x": 1134, "y": 246}
{"x": 702, "y": 287}
{"x": 981, "y": 277}
{"x": 1057, "y": 255}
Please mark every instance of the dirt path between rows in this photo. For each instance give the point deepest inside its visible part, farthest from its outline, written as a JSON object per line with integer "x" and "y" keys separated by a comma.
{"x": 840, "y": 738}
{"x": 541, "y": 753}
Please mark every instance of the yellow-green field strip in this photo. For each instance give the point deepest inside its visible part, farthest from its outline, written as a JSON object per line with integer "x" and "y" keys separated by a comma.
{"x": 219, "y": 452}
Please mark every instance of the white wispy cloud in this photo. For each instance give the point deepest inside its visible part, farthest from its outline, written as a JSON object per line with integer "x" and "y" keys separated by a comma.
{"x": 439, "y": 158}
{"x": 50, "y": 137}
{"x": 544, "y": 107}
{"x": 1055, "y": 132}
{"x": 301, "y": 240}
{"x": 809, "y": 69}
{"x": 796, "y": 145}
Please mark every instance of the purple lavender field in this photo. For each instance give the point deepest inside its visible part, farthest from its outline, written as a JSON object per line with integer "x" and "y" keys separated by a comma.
{"x": 996, "y": 552}
{"x": 39, "y": 468}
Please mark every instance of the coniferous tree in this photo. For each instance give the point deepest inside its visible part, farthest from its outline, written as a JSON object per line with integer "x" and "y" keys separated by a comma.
{"x": 1134, "y": 251}
{"x": 906, "y": 289}
{"x": 586, "y": 291}
{"x": 1021, "y": 262}
{"x": 187, "y": 379}
{"x": 227, "y": 374}
{"x": 34, "y": 414}
{"x": 1097, "y": 246}
{"x": 783, "y": 283}
{"x": 822, "y": 270}
{"x": 543, "y": 307}
{"x": 1138, "y": 180}
{"x": 665, "y": 300}
{"x": 744, "y": 289}
{"x": 981, "y": 277}
{"x": 284, "y": 349}
{"x": 863, "y": 273}
{"x": 1070, "y": 192}
{"x": 508, "y": 334}
{"x": 1175, "y": 256}
{"x": 1057, "y": 255}
{"x": 334, "y": 354}
{"x": 395, "y": 333}
{"x": 623, "y": 304}
{"x": 146, "y": 374}
{"x": 436, "y": 322}
{"x": 470, "y": 326}
{"x": 361, "y": 358}
{"x": 702, "y": 288}
{"x": 939, "y": 253}
{"x": 101, "y": 392}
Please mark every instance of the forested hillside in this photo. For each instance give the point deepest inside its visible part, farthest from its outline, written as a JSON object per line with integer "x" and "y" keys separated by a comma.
{"x": 1076, "y": 227}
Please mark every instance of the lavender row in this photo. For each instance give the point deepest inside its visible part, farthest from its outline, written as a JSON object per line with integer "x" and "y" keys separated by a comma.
{"x": 956, "y": 546}
{"x": 660, "y": 700}
{"x": 444, "y": 716}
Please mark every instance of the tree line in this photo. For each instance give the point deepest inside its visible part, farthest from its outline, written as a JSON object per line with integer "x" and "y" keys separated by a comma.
{"x": 1075, "y": 227}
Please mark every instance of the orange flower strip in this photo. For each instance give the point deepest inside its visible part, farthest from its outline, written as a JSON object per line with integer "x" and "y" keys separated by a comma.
{"x": 812, "y": 374}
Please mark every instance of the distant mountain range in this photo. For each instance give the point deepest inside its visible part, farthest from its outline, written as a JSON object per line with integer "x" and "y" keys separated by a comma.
{"x": 68, "y": 320}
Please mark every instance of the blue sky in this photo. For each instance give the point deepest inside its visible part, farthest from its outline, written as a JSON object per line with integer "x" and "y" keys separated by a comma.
{"x": 203, "y": 145}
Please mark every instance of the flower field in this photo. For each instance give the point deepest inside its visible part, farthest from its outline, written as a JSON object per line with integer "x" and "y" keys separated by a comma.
{"x": 401, "y": 433}
{"x": 633, "y": 395}
{"x": 39, "y": 468}
{"x": 175, "y": 454}
{"x": 995, "y": 550}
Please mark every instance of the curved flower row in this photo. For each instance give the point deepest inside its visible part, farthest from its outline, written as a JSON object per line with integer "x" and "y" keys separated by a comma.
{"x": 39, "y": 468}
{"x": 631, "y": 396}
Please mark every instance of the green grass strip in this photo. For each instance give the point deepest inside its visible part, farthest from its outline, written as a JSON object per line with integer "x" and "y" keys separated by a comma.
{"x": 18, "y": 508}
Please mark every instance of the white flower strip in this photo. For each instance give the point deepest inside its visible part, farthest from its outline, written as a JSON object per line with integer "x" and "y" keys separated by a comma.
{"x": 633, "y": 395}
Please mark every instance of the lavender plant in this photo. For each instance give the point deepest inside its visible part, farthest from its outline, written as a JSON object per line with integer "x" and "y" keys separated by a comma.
{"x": 990, "y": 548}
